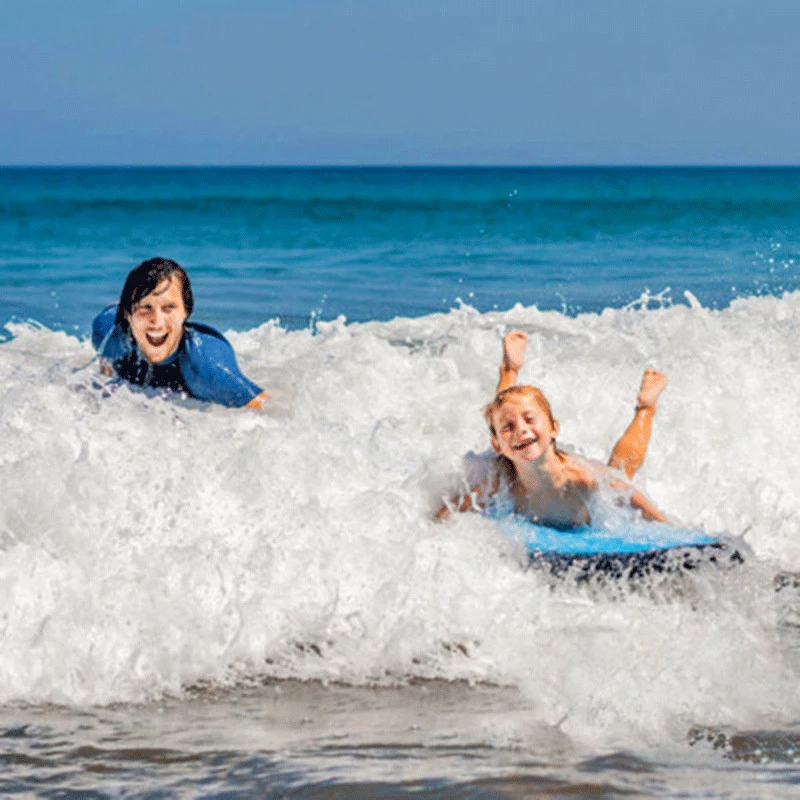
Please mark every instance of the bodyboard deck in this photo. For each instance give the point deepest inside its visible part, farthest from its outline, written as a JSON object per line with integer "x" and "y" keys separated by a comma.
{"x": 631, "y": 551}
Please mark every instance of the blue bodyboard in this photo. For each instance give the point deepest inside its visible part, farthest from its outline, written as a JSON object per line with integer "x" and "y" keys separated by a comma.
{"x": 634, "y": 537}
{"x": 631, "y": 550}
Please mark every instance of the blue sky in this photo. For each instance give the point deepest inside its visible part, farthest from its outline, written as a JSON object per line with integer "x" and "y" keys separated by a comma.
{"x": 399, "y": 82}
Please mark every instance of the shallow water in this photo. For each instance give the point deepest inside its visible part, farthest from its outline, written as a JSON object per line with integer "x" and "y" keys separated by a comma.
{"x": 433, "y": 740}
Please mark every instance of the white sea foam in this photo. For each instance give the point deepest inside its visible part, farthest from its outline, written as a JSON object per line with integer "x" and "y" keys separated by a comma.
{"x": 148, "y": 544}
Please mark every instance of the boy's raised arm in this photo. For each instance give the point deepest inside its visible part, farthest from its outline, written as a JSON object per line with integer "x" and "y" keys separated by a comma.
{"x": 513, "y": 358}
{"x": 514, "y": 344}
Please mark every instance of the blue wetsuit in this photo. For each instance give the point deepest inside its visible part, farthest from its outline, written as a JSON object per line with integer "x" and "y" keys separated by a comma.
{"x": 203, "y": 366}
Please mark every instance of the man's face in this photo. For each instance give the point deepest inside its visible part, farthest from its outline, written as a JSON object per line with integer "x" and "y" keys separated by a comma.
{"x": 157, "y": 320}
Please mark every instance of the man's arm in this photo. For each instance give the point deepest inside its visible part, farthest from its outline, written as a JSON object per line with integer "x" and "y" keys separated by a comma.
{"x": 108, "y": 340}
{"x": 258, "y": 402}
{"x": 211, "y": 372}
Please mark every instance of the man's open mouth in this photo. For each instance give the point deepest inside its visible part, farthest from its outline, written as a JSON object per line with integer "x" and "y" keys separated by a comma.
{"x": 523, "y": 445}
{"x": 156, "y": 341}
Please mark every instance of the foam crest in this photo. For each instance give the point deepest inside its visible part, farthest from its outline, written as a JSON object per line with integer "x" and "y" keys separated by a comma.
{"x": 149, "y": 544}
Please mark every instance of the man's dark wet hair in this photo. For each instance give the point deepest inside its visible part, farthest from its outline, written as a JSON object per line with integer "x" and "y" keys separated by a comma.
{"x": 142, "y": 280}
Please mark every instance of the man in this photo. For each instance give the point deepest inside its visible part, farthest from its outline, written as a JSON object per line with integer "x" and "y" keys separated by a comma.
{"x": 146, "y": 339}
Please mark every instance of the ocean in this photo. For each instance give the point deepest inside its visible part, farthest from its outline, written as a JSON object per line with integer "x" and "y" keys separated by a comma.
{"x": 203, "y": 602}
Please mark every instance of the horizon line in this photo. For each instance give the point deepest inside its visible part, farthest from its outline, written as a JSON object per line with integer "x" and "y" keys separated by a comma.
{"x": 399, "y": 166}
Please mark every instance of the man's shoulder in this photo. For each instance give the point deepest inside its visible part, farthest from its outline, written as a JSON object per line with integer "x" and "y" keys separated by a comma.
{"x": 107, "y": 336}
{"x": 208, "y": 364}
{"x": 204, "y": 330}
{"x": 204, "y": 344}
{"x": 104, "y": 321}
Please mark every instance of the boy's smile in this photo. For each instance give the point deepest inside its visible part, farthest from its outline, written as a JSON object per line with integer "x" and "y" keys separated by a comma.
{"x": 526, "y": 443}
{"x": 157, "y": 321}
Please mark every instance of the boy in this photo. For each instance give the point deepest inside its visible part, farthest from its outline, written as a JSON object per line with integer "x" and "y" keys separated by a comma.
{"x": 543, "y": 482}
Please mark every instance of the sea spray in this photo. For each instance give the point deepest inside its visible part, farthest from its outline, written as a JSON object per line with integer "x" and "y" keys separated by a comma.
{"x": 149, "y": 544}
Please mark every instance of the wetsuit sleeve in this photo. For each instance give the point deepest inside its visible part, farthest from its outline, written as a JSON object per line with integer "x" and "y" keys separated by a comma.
{"x": 209, "y": 367}
{"x": 107, "y": 337}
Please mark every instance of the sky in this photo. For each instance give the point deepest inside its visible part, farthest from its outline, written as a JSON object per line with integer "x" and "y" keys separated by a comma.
{"x": 345, "y": 82}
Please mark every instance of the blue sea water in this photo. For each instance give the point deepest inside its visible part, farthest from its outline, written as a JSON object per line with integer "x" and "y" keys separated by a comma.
{"x": 197, "y": 601}
{"x": 372, "y": 244}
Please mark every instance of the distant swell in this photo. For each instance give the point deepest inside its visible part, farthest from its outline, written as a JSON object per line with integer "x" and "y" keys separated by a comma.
{"x": 601, "y": 211}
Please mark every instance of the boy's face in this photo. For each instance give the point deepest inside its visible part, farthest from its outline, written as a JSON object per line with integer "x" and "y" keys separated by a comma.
{"x": 157, "y": 320}
{"x": 523, "y": 430}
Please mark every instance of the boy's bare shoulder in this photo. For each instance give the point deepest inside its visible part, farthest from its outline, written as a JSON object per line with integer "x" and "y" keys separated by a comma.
{"x": 581, "y": 474}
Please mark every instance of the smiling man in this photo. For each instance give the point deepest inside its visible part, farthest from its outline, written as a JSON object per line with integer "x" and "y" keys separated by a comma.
{"x": 146, "y": 339}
